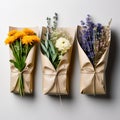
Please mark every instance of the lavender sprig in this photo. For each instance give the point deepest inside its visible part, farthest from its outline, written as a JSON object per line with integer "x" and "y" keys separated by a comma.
{"x": 55, "y": 18}
{"x": 48, "y": 28}
{"x": 90, "y": 38}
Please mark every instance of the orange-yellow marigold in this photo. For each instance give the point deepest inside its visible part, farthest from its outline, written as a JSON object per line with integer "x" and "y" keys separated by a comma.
{"x": 19, "y": 34}
{"x": 30, "y": 39}
{"x": 10, "y": 40}
{"x": 28, "y": 31}
{"x": 12, "y": 32}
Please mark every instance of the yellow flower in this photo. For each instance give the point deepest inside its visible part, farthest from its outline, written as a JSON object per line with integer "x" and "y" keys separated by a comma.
{"x": 26, "y": 35}
{"x": 10, "y": 40}
{"x": 30, "y": 39}
{"x": 28, "y": 31}
{"x": 12, "y": 32}
{"x": 19, "y": 34}
{"x": 14, "y": 35}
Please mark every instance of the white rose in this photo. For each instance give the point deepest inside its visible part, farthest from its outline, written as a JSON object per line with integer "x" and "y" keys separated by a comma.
{"x": 62, "y": 44}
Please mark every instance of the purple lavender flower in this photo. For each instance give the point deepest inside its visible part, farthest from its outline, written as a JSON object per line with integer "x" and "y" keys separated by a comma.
{"x": 88, "y": 35}
{"x": 82, "y": 22}
{"x": 99, "y": 30}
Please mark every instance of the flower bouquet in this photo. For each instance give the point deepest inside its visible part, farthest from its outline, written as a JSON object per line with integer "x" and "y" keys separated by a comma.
{"x": 93, "y": 46}
{"x": 22, "y": 44}
{"x": 56, "y": 49}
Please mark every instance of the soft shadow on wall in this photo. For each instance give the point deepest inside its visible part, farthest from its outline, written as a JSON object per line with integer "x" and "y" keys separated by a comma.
{"x": 112, "y": 63}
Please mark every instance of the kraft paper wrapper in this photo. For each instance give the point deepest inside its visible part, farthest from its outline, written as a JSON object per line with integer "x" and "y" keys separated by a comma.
{"x": 28, "y": 72}
{"x": 56, "y": 81}
{"x": 92, "y": 79}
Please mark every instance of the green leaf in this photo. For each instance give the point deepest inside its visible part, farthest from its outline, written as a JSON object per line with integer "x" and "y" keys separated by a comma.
{"x": 17, "y": 48}
{"x": 56, "y": 62}
{"x": 45, "y": 50}
{"x": 12, "y": 61}
{"x": 15, "y": 64}
{"x": 52, "y": 47}
{"x": 54, "y": 56}
{"x": 14, "y": 52}
{"x": 47, "y": 53}
{"x": 43, "y": 47}
{"x": 46, "y": 43}
{"x": 24, "y": 58}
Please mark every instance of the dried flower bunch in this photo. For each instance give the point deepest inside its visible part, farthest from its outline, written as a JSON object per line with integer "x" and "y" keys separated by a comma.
{"x": 21, "y": 42}
{"x": 92, "y": 38}
{"x": 55, "y": 43}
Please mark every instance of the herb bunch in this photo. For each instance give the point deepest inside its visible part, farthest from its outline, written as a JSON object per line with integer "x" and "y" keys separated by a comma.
{"x": 47, "y": 45}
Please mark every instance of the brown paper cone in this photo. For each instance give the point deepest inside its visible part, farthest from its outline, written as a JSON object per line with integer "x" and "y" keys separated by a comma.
{"x": 56, "y": 81}
{"x": 28, "y": 72}
{"x": 92, "y": 79}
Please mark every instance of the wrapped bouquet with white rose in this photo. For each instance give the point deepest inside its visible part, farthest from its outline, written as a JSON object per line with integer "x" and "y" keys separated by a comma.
{"x": 56, "y": 49}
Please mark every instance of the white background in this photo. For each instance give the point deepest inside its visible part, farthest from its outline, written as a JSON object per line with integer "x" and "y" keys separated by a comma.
{"x": 30, "y": 13}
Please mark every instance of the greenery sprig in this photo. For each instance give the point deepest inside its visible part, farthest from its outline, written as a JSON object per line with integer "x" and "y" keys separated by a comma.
{"x": 47, "y": 45}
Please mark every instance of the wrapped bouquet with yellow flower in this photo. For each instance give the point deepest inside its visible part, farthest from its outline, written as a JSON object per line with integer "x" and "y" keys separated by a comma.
{"x": 22, "y": 43}
{"x": 56, "y": 50}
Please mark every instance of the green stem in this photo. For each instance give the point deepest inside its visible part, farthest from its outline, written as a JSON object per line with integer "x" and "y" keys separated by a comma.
{"x": 21, "y": 84}
{"x": 20, "y": 50}
{"x": 14, "y": 52}
{"x": 27, "y": 50}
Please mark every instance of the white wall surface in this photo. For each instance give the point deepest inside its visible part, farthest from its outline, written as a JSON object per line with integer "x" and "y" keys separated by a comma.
{"x": 25, "y": 13}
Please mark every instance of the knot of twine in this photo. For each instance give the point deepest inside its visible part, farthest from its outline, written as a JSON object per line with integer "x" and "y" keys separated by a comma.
{"x": 94, "y": 80}
{"x": 57, "y": 83}
{"x": 26, "y": 69}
